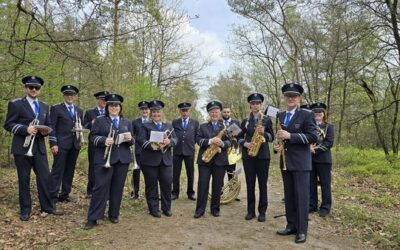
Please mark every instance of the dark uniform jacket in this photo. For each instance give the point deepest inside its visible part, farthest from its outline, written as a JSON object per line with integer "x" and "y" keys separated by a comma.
{"x": 204, "y": 135}
{"x": 19, "y": 116}
{"x": 149, "y": 156}
{"x": 89, "y": 116}
{"x": 100, "y": 130}
{"x": 62, "y": 125}
{"x": 137, "y": 125}
{"x": 303, "y": 131}
{"x": 186, "y": 138}
{"x": 248, "y": 128}
{"x": 323, "y": 152}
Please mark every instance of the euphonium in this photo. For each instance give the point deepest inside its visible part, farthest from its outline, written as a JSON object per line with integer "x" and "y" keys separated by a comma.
{"x": 213, "y": 149}
{"x": 257, "y": 138}
{"x": 30, "y": 139}
{"x": 231, "y": 190}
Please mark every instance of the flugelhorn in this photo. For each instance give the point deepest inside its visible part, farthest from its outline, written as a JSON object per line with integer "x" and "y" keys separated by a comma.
{"x": 281, "y": 142}
{"x": 30, "y": 139}
{"x": 107, "y": 152}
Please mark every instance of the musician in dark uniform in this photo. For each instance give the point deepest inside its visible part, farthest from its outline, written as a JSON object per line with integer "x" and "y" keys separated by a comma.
{"x": 256, "y": 166}
{"x": 137, "y": 125}
{"x": 299, "y": 130}
{"x": 216, "y": 167}
{"x": 88, "y": 121}
{"x": 186, "y": 131}
{"x": 321, "y": 162}
{"x": 64, "y": 143}
{"x": 19, "y": 121}
{"x": 112, "y": 137}
{"x": 227, "y": 121}
{"x": 156, "y": 161}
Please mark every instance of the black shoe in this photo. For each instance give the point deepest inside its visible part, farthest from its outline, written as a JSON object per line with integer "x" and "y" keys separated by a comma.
{"x": 90, "y": 224}
{"x": 56, "y": 212}
{"x": 174, "y": 196}
{"x": 323, "y": 213}
{"x": 286, "y": 231}
{"x": 249, "y": 216}
{"x": 261, "y": 218}
{"x": 300, "y": 238}
{"x": 156, "y": 214}
{"x": 191, "y": 197}
{"x": 24, "y": 217}
{"x": 64, "y": 199}
{"x": 167, "y": 213}
{"x": 237, "y": 199}
{"x": 312, "y": 210}
{"x": 88, "y": 196}
{"x": 114, "y": 220}
{"x": 215, "y": 213}
{"x": 198, "y": 215}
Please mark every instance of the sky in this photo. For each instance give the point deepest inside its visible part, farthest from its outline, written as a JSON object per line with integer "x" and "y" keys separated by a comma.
{"x": 209, "y": 33}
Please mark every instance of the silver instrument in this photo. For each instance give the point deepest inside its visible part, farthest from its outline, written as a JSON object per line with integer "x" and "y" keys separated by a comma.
{"x": 79, "y": 130}
{"x": 107, "y": 152}
{"x": 30, "y": 139}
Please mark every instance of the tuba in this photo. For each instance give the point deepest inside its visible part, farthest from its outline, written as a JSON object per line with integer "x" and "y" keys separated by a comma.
{"x": 213, "y": 149}
{"x": 231, "y": 190}
{"x": 257, "y": 138}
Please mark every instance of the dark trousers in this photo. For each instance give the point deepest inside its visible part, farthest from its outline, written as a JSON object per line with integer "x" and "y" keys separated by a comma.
{"x": 62, "y": 172}
{"x": 109, "y": 186}
{"x": 205, "y": 173}
{"x": 40, "y": 166}
{"x": 229, "y": 171}
{"x": 189, "y": 165}
{"x": 256, "y": 169}
{"x": 152, "y": 176}
{"x": 136, "y": 179}
{"x": 296, "y": 186}
{"x": 323, "y": 172}
{"x": 91, "y": 179}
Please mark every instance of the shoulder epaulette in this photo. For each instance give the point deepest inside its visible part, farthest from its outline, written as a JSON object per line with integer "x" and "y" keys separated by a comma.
{"x": 16, "y": 99}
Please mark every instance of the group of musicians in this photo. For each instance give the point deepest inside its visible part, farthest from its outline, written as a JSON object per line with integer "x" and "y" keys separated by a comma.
{"x": 303, "y": 141}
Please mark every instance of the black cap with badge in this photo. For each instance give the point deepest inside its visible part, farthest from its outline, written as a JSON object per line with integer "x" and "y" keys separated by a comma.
{"x": 292, "y": 89}
{"x": 156, "y": 104}
{"x": 143, "y": 105}
{"x": 69, "y": 90}
{"x": 318, "y": 107}
{"x": 32, "y": 81}
{"x": 255, "y": 97}
{"x": 101, "y": 94}
{"x": 214, "y": 105}
{"x": 114, "y": 98}
{"x": 184, "y": 105}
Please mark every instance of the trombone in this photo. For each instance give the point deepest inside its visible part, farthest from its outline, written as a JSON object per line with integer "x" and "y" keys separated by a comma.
{"x": 30, "y": 139}
{"x": 107, "y": 152}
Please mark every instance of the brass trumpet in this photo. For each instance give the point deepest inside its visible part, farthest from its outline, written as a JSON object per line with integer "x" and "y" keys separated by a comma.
{"x": 281, "y": 142}
{"x": 30, "y": 139}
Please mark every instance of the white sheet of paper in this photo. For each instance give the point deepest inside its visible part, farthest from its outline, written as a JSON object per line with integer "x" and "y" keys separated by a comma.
{"x": 234, "y": 129}
{"x": 156, "y": 136}
{"x": 272, "y": 111}
{"x": 121, "y": 138}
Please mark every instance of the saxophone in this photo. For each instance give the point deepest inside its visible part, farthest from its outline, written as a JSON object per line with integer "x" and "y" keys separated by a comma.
{"x": 257, "y": 138}
{"x": 213, "y": 149}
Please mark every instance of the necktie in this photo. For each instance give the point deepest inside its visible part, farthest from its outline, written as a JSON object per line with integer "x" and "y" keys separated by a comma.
{"x": 144, "y": 120}
{"x": 226, "y": 123}
{"x": 101, "y": 111}
{"x": 255, "y": 119}
{"x": 184, "y": 124}
{"x": 214, "y": 126}
{"x": 36, "y": 103}
{"x": 287, "y": 120}
{"x": 115, "y": 121}
{"x": 71, "y": 112}
{"x": 159, "y": 126}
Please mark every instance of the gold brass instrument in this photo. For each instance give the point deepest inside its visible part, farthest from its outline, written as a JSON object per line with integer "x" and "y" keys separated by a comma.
{"x": 107, "y": 152}
{"x": 321, "y": 135}
{"x": 213, "y": 149}
{"x": 78, "y": 129}
{"x": 257, "y": 138}
{"x": 30, "y": 139}
{"x": 157, "y": 145}
{"x": 231, "y": 190}
{"x": 234, "y": 155}
{"x": 279, "y": 141}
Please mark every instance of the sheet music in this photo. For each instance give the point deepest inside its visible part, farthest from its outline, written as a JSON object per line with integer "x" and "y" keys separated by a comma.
{"x": 121, "y": 138}
{"x": 234, "y": 129}
{"x": 156, "y": 136}
{"x": 272, "y": 111}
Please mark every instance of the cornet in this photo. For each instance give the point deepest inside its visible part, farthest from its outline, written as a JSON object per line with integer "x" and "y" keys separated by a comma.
{"x": 30, "y": 139}
{"x": 107, "y": 152}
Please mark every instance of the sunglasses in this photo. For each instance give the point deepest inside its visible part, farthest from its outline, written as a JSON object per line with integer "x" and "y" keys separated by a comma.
{"x": 34, "y": 87}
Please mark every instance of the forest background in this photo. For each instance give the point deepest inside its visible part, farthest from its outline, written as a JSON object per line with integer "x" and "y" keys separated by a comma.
{"x": 344, "y": 53}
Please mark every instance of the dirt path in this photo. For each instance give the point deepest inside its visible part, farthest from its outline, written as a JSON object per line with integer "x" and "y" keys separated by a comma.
{"x": 230, "y": 230}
